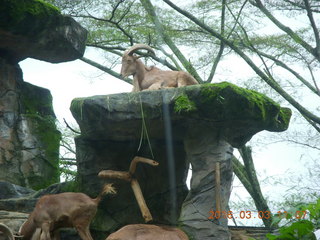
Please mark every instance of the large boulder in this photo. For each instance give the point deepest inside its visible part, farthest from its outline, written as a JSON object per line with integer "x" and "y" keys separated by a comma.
{"x": 29, "y": 149}
{"x": 36, "y": 29}
{"x": 9, "y": 190}
{"x": 198, "y": 124}
{"x": 29, "y": 139}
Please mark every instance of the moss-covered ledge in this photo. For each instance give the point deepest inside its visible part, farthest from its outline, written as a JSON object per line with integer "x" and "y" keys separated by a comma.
{"x": 238, "y": 113}
{"x": 18, "y": 16}
{"x": 199, "y": 124}
{"x": 36, "y": 29}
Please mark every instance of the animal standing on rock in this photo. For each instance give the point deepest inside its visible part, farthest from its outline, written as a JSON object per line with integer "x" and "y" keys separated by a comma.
{"x": 62, "y": 210}
{"x": 151, "y": 78}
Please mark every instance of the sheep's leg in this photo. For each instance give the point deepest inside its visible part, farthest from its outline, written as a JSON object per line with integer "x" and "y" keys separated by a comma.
{"x": 154, "y": 86}
{"x": 181, "y": 82}
{"x": 36, "y": 234}
{"x": 45, "y": 231}
{"x": 84, "y": 233}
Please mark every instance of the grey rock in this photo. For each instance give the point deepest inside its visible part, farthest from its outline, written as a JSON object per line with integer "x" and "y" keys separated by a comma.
{"x": 29, "y": 140}
{"x": 196, "y": 124}
{"x": 9, "y": 190}
{"x": 38, "y": 30}
{"x": 13, "y": 219}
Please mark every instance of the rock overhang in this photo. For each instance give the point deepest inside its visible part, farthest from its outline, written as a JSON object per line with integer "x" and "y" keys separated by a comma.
{"x": 36, "y": 29}
{"x": 236, "y": 113}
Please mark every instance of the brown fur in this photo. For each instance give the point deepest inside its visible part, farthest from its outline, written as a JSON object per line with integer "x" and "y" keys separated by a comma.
{"x": 151, "y": 78}
{"x": 239, "y": 235}
{"x": 62, "y": 210}
{"x": 148, "y": 232}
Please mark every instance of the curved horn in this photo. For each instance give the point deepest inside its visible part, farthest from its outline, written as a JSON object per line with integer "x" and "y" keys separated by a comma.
{"x": 6, "y": 231}
{"x": 136, "y": 47}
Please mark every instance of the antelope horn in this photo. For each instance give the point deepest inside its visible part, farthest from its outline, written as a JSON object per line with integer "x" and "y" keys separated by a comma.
{"x": 136, "y": 47}
{"x": 6, "y": 231}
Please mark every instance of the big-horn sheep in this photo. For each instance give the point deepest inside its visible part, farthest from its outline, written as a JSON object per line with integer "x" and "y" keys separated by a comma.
{"x": 151, "y": 78}
{"x": 62, "y": 210}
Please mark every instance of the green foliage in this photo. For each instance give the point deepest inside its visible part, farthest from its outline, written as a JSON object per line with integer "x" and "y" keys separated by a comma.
{"x": 183, "y": 104}
{"x": 300, "y": 228}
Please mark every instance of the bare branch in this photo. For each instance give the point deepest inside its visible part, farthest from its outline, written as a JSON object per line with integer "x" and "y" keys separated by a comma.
{"x": 105, "y": 69}
{"x": 313, "y": 25}
{"x": 295, "y": 37}
{"x": 115, "y": 9}
{"x": 68, "y": 126}
{"x": 221, "y": 48}
{"x": 166, "y": 38}
{"x": 269, "y": 80}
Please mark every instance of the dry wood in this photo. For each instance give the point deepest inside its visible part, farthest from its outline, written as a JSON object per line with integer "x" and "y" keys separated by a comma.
{"x": 115, "y": 175}
{"x": 129, "y": 176}
{"x": 141, "y": 202}
{"x": 133, "y": 165}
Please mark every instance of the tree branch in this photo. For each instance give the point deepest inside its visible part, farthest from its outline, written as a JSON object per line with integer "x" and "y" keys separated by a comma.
{"x": 313, "y": 25}
{"x": 105, "y": 69}
{"x": 257, "y": 196}
{"x": 295, "y": 37}
{"x": 268, "y": 79}
{"x": 221, "y": 48}
{"x": 68, "y": 126}
{"x": 166, "y": 38}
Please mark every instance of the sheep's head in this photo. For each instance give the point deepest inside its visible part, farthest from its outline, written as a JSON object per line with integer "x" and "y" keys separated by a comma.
{"x": 129, "y": 61}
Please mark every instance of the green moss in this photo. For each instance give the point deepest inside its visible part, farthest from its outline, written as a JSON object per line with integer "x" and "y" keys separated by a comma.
{"x": 25, "y": 16}
{"x": 36, "y": 100}
{"x": 36, "y": 107}
{"x": 227, "y": 100}
{"x": 183, "y": 104}
{"x": 45, "y": 130}
{"x": 76, "y": 106}
{"x": 284, "y": 116}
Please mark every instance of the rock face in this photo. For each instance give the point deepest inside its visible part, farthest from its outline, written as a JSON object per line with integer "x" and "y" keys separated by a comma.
{"x": 29, "y": 140}
{"x": 197, "y": 124}
{"x": 33, "y": 28}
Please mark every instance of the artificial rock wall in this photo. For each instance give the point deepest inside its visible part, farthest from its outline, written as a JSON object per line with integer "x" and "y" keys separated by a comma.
{"x": 29, "y": 140}
{"x": 197, "y": 125}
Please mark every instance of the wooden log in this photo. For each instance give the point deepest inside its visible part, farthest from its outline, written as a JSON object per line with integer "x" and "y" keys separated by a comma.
{"x": 115, "y": 175}
{"x": 141, "y": 202}
{"x": 136, "y": 160}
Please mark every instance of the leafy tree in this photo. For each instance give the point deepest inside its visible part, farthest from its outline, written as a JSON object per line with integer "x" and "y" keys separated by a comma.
{"x": 304, "y": 220}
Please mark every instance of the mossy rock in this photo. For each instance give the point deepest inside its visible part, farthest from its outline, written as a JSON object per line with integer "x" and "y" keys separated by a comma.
{"x": 43, "y": 138}
{"x": 26, "y": 17}
{"x": 237, "y": 112}
{"x": 36, "y": 29}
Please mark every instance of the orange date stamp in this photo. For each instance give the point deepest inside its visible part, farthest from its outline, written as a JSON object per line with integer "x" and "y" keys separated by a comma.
{"x": 252, "y": 215}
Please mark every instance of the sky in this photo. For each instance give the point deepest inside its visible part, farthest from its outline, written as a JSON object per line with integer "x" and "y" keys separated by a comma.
{"x": 70, "y": 80}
